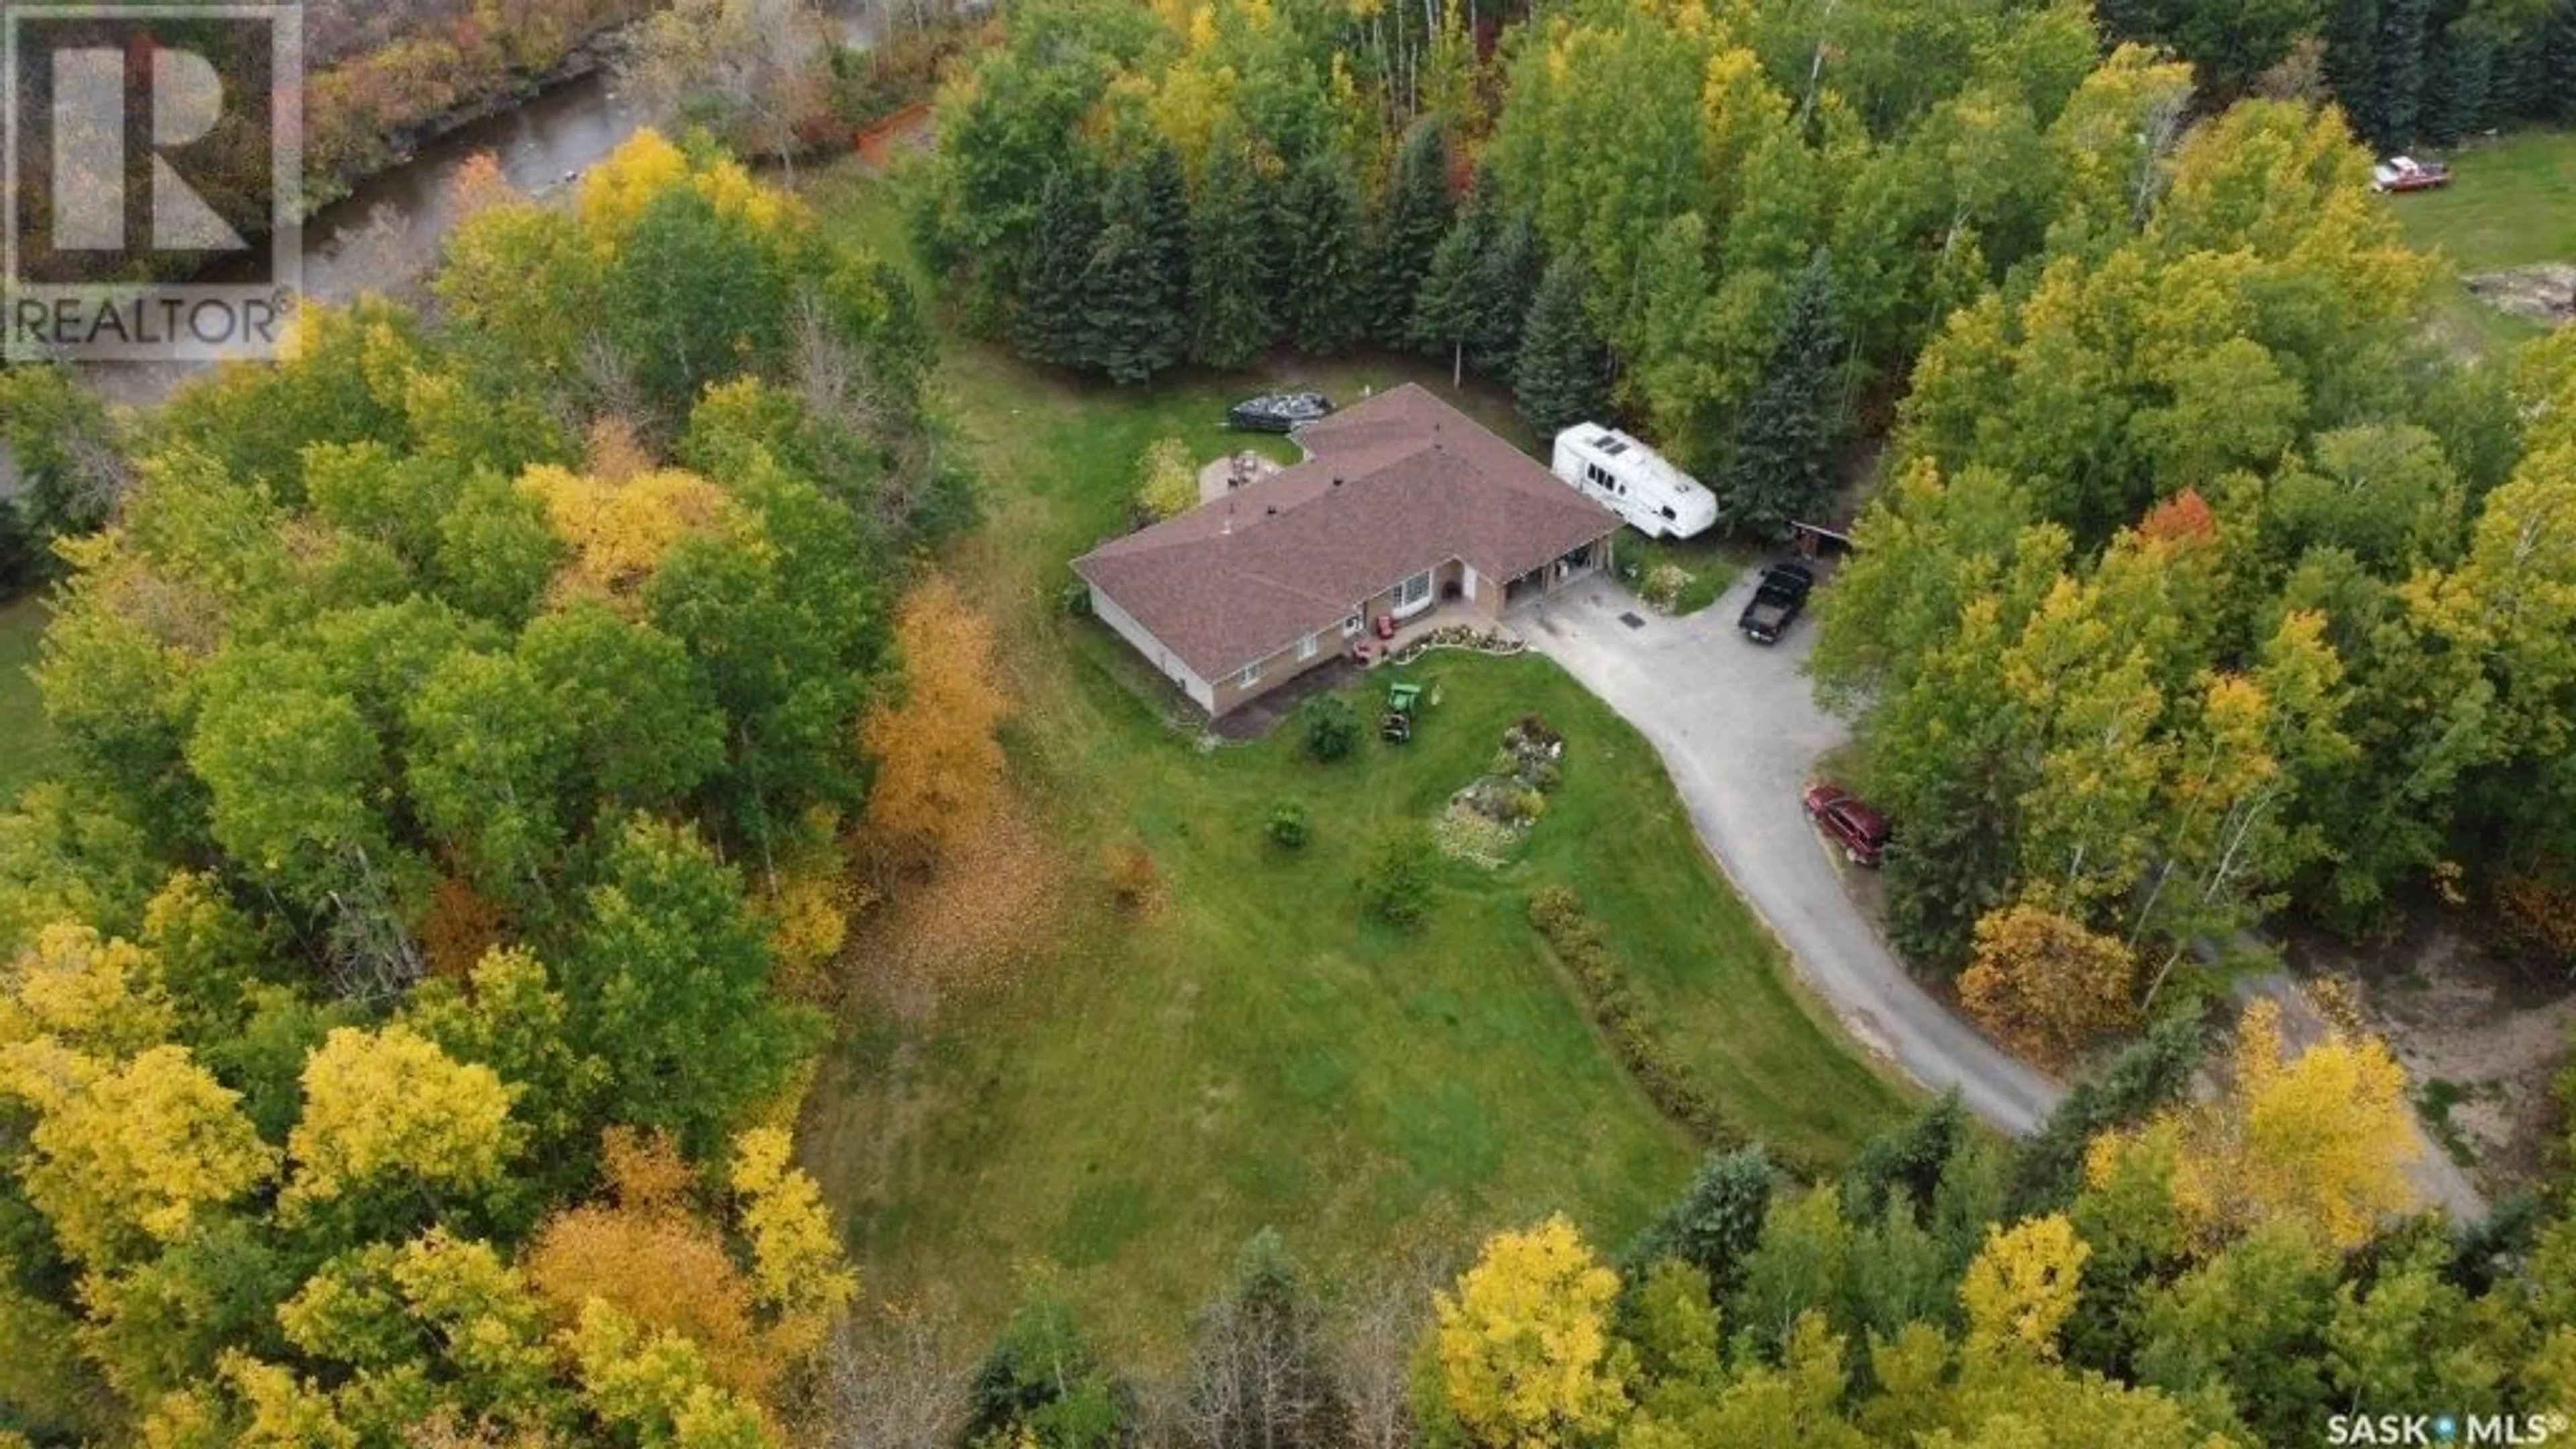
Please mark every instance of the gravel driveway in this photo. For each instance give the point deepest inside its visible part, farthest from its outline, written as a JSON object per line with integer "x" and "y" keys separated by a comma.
{"x": 1738, "y": 728}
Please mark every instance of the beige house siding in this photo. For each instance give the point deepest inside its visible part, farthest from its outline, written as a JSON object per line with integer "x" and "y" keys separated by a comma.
{"x": 1124, "y": 624}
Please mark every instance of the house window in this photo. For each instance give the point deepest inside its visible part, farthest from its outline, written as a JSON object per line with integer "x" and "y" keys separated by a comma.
{"x": 1307, "y": 646}
{"x": 1351, "y": 626}
{"x": 1414, "y": 594}
{"x": 1250, "y": 676}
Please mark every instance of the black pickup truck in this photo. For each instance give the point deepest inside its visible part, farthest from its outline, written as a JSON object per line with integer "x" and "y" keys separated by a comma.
{"x": 1782, "y": 594}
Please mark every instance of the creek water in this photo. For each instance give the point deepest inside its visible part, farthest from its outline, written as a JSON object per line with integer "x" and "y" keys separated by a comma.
{"x": 384, "y": 236}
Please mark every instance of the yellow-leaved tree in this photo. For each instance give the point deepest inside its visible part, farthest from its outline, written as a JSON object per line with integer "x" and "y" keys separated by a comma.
{"x": 615, "y": 192}
{"x": 618, "y": 529}
{"x": 390, "y": 1108}
{"x": 654, "y": 1267}
{"x": 130, "y": 1140}
{"x": 129, "y": 1154}
{"x": 1524, "y": 1348}
{"x": 939, "y": 765}
{"x": 797, "y": 1273}
{"x": 2021, "y": 1286}
{"x": 2322, "y": 1139}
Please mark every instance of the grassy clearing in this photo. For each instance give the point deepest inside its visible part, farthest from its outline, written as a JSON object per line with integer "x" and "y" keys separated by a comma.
{"x": 1712, "y": 561}
{"x": 1150, "y": 1089}
{"x": 2513, "y": 204}
{"x": 26, "y": 739}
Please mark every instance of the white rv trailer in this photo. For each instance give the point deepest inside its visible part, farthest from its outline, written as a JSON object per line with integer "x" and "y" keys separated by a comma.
{"x": 1636, "y": 482}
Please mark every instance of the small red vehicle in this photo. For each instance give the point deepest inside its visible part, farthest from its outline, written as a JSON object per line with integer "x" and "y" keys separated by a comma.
{"x": 1859, "y": 830}
{"x": 2405, "y": 173}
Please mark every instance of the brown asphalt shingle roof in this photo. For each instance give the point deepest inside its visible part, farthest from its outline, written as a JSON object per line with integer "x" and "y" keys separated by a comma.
{"x": 1400, "y": 483}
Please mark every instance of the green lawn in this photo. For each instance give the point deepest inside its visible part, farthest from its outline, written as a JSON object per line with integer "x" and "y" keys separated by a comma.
{"x": 1157, "y": 1089}
{"x": 2512, "y": 203}
{"x": 26, "y": 740}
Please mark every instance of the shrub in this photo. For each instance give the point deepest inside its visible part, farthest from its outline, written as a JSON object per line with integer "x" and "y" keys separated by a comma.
{"x": 1552, "y": 909}
{"x": 1664, "y": 585}
{"x": 2535, "y": 914}
{"x": 1287, "y": 825}
{"x": 1465, "y": 834}
{"x": 1397, "y": 885}
{"x": 1166, "y": 484}
{"x": 1332, "y": 726}
{"x": 1135, "y": 882}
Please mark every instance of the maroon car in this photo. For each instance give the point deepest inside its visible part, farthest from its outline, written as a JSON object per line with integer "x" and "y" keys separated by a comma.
{"x": 1859, "y": 830}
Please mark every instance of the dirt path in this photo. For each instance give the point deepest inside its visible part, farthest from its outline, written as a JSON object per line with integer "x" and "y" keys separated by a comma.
{"x": 2435, "y": 1175}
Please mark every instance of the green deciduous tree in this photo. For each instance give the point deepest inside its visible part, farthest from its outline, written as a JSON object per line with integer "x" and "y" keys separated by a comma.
{"x": 489, "y": 755}
{"x": 644, "y": 731}
{"x": 695, "y": 295}
{"x": 666, "y": 978}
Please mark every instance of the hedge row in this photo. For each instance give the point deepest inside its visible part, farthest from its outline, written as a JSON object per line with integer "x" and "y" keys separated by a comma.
{"x": 1560, "y": 917}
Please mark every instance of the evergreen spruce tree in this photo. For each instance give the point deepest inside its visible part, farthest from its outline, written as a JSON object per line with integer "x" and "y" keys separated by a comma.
{"x": 1563, "y": 373}
{"x": 2047, "y": 1168}
{"x": 2352, "y": 66}
{"x": 1138, "y": 272}
{"x": 1050, "y": 325}
{"x": 1715, "y": 1225}
{"x": 2402, "y": 43}
{"x": 1230, "y": 226}
{"x": 1781, "y": 466}
{"x": 1453, "y": 304}
{"x": 1316, "y": 271}
{"x": 2459, "y": 83}
{"x": 1261, "y": 1368}
{"x": 1411, "y": 220}
{"x": 2555, "y": 88}
{"x": 1513, "y": 266}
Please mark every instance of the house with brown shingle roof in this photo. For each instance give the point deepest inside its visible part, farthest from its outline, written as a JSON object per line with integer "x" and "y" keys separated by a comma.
{"x": 1402, "y": 505}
